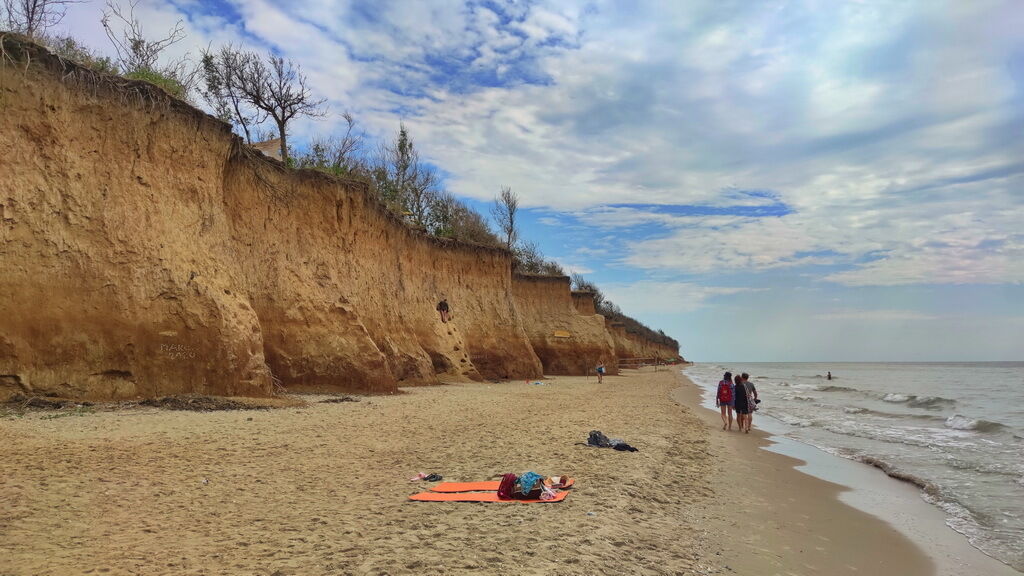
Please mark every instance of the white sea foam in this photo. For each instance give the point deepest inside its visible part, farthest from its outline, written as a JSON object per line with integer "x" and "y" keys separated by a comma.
{"x": 896, "y": 398}
{"x": 793, "y": 420}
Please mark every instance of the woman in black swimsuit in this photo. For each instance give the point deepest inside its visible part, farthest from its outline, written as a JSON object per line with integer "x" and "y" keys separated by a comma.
{"x": 742, "y": 407}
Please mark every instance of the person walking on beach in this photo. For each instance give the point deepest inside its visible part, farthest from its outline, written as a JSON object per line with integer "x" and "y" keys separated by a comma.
{"x": 752, "y": 400}
{"x": 600, "y": 371}
{"x": 724, "y": 399}
{"x": 741, "y": 404}
{"x": 442, "y": 308}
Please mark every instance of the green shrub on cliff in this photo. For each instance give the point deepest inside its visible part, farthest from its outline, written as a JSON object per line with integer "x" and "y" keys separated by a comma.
{"x": 168, "y": 83}
{"x": 68, "y": 48}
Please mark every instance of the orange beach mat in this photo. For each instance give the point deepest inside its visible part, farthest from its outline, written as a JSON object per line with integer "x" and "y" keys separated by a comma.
{"x": 477, "y": 497}
{"x": 486, "y": 486}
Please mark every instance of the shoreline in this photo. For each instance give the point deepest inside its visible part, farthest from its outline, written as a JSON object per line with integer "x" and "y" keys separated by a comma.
{"x": 897, "y": 504}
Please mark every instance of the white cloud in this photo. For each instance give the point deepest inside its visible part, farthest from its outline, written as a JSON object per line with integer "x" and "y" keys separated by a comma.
{"x": 875, "y": 315}
{"x": 573, "y": 268}
{"x": 875, "y": 125}
{"x": 650, "y": 297}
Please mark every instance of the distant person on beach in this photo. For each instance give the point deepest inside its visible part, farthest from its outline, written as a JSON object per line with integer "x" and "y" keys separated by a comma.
{"x": 752, "y": 399}
{"x": 724, "y": 399}
{"x": 442, "y": 308}
{"x": 741, "y": 404}
{"x": 829, "y": 376}
{"x": 600, "y": 371}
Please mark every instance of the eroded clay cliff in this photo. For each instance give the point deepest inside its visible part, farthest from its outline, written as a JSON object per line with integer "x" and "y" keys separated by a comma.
{"x": 144, "y": 251}
{"x": 566, "y": 341}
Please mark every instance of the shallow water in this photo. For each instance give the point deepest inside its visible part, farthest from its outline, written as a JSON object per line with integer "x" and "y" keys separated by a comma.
{"x": 954, "y": 429}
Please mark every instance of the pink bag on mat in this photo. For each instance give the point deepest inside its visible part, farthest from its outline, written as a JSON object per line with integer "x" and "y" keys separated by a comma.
{"x": 508, "y": 484}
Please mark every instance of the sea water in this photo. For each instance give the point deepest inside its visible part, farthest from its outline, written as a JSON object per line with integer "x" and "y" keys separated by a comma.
{"x": 956, "y": 430}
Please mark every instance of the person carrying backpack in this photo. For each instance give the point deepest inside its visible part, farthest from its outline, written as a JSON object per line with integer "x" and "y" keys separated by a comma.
{"x": 724, "y": 399}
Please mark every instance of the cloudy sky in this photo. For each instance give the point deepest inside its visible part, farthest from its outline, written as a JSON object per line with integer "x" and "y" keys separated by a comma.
{"x": 766, "y": 181}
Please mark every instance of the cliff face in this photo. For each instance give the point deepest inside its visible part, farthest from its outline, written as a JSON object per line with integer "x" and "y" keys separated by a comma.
{"x": 144, "y": 253}
{"x": 628, "y": 345}
{"x": 584, "y": 303}
{"x": 566, "y": 341}
{"x": 113, "y": 283}
{"x": 369, "y": 289}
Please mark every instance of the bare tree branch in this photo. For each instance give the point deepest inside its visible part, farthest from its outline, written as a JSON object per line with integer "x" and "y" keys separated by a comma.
{"x": 221, "y": 90}
{"x": 504, "y": 211}
{"x": 139, "y": 57}
{"x": 278, "y": 88}
{"x": 33, "y": 17}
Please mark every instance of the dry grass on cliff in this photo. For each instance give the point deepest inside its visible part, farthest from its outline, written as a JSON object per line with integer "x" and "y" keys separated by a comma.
{"x": 323, "y": 489}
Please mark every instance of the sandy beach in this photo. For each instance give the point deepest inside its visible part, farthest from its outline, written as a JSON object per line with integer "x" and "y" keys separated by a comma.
{"x": 322, "y": 489}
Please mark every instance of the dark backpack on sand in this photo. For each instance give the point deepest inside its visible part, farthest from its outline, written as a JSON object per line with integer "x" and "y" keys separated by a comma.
{"x": 598, "y": 439}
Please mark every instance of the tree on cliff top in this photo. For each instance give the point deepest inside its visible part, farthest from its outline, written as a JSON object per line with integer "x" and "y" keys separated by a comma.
{"x": 33, "y": 17}
{"x": 453, "y": 219}
{"x": 276, "y": 87}
{"x": 403, "y": 181}
{"x": 504, "y": 212}
{"x": 221, "y": 89}
{"x": 337, "y": 154}
{"x": 528, "y": 259}
{"x": 581, "y": 284}
{"x": 139, "y": 58}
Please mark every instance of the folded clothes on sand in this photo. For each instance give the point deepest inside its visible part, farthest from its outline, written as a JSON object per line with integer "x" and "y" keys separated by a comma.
{"x": 426, "y": 477}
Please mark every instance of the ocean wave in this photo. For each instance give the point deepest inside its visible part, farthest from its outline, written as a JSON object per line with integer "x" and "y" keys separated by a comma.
{"x": 987, "y": 467}
{"x": 926, "y": 402}
{"x": 883, "y": 414}
{"x": 958, "y": 422}
{"x": 928, "y": 487}
{"x": 831, "y": 388}
{"x": 920, "y": 437}
{"x": 803, "y": 398}
{"x": 793, "y": 420}
{"x": 930, "y": 402}
{"x": 896, "y": 398}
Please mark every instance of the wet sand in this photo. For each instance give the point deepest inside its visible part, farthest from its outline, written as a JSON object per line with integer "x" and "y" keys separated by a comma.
{"x": 775, "y": 520}
{"x": 796, "y": 523}
{"x": 323, "y": 489}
